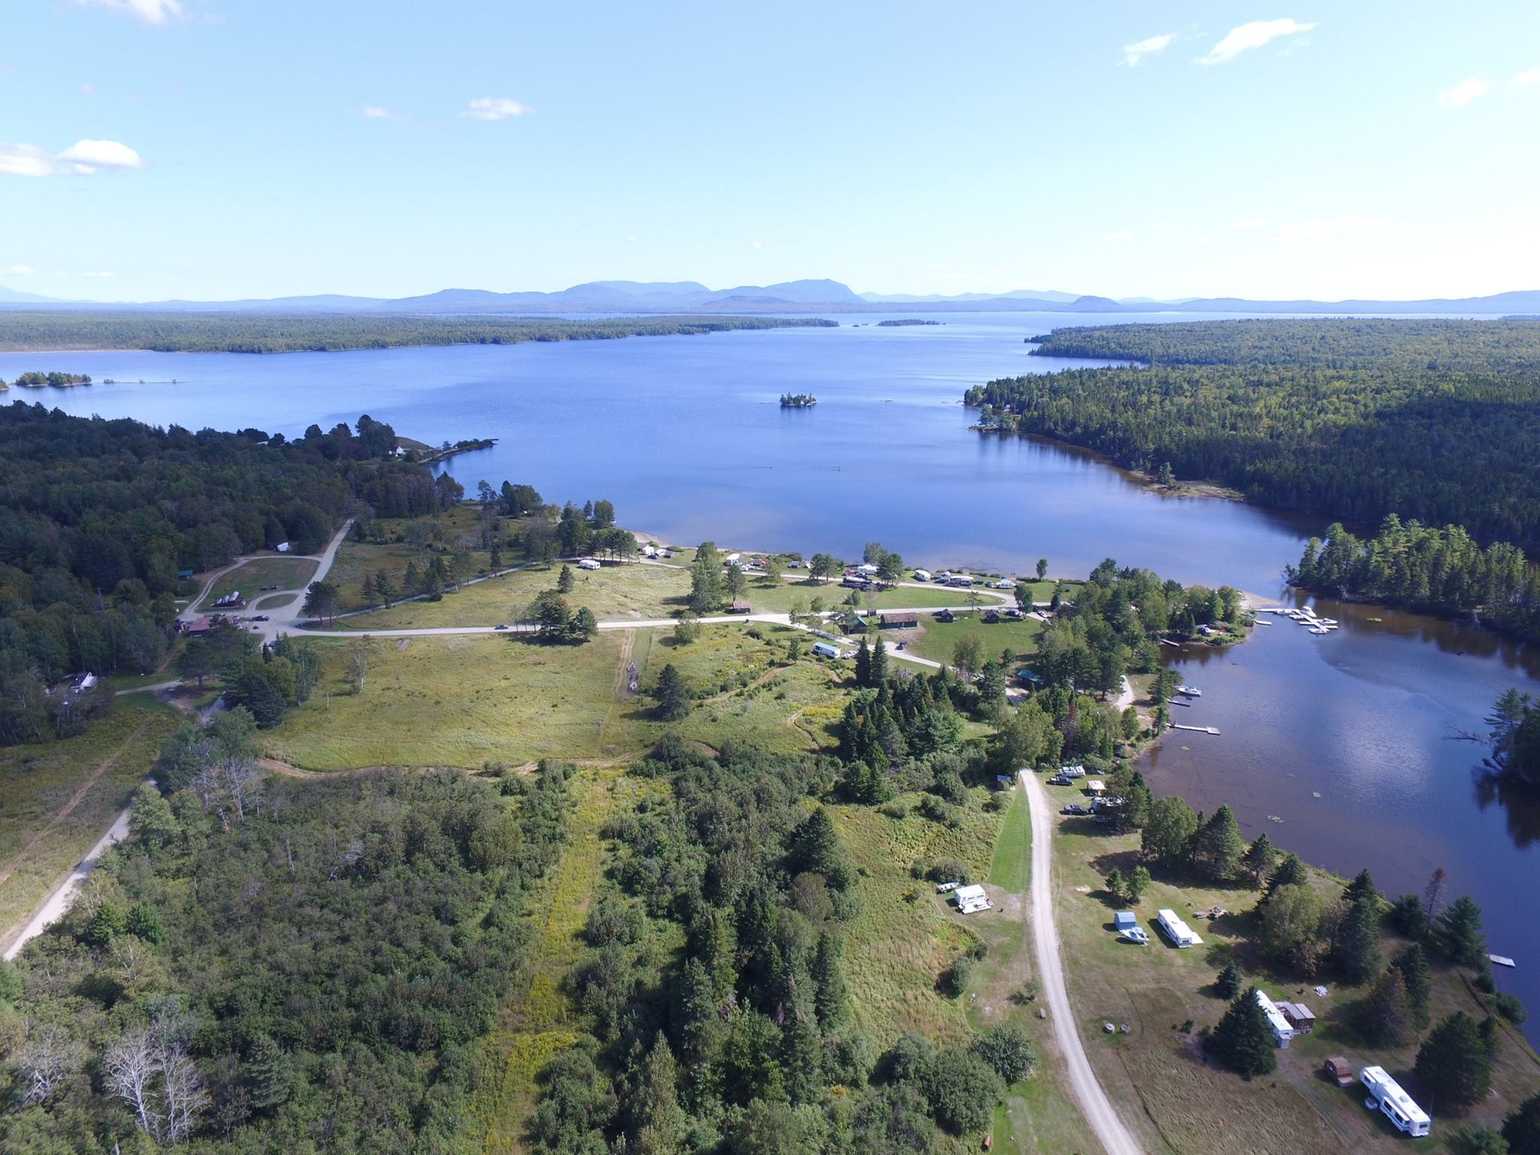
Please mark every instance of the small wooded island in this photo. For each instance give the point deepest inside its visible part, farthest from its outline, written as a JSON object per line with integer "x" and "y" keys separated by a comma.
{"x": 798, "y": 401}
{"x": 897, "y": 322}
{"x": 36, "y": 380}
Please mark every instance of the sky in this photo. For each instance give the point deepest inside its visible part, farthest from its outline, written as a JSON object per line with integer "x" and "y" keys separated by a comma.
{"x": 229, "y": 148}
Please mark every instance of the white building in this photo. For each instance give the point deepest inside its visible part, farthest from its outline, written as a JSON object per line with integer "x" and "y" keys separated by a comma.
{"x": 971, "y": 899}
{"x": 1180, "y": 934}
{"x": 1283, "y": 1033}
{"x": 922, "y": 575}
{"x": 826, "y": 650}
{"x": 282, "y": 547}
{"x": 1387, "y": 1097}
{"x": 588, "y": 563}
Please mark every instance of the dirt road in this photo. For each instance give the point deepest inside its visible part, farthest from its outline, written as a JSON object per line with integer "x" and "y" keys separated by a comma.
{"x": 59, "y": 901}
{"x": 1094, "y": 1104}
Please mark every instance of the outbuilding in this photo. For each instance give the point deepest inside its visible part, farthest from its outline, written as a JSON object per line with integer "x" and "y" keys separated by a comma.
{"x": 1283, "y": 1033}
{"x": 826, "y": 650}
{"x": 897, "y": 621}
{"x": 971, "y": 899}
{"x": 1124, "y": 920}
{"x": 1300, "y": 1017}
{"x": 739, "y": 606}
{"x": 282, "y": 547}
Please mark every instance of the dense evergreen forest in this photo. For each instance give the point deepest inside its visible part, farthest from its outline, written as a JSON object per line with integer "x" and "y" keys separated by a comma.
{"x": 276, "y": 333}
{"x": 1421, "y": 567}
{"x": 280, "y": 967}
{"x": 99, "y": 520}
{"x": 1355, "y": 419}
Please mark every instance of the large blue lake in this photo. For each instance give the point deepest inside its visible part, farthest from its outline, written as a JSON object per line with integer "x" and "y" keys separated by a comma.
{"x": 1356, "y": 742}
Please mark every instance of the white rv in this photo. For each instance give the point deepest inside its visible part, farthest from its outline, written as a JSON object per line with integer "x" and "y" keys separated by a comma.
{"x": 1176, "y": 930}
{"x": 1387, "y": 1097}
{"x": 971, "y": 899}
{"x": 1283, "y": 1030}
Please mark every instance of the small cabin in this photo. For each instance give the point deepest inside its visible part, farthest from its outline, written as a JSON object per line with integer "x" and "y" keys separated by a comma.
{"x": 1096, "y": 787}
{"x": 1340, "y": 1071}
{"x": 1386, "y": 1096}
{"x": 1300, "y": 1017}
{"x": 971, "y": 899}
{"x": 738, "y": 606}
{"x": 898, "y": 621}
{"x": 1283, "y": 1033}
{"x": 1124, "y": 920}
{"x": 826, "y": 650}
{"x": 945, "y": 616}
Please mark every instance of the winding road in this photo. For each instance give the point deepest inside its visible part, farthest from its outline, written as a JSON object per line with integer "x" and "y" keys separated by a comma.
{"x": 1087, "y": 1089}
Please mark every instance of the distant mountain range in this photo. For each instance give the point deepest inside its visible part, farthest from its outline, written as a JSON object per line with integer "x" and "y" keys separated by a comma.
{"x": 811, "y": 296}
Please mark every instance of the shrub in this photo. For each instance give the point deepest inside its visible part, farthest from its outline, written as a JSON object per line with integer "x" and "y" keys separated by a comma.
{"x": 954, "y": 980}
{"x": 1007, "y": 1050}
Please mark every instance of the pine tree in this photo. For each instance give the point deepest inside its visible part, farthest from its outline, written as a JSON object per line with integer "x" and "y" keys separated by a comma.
{"x": 1522, "y": 1128}
{"x": 1361, "y": 886}
{"x": 1358, "y": 939}
{"x": 863, "y": 664}
{"x": 564, "y": 580}
{"x": 411, "y": 580}
{"x": 1219, "y": 845}
{"x": 659, "y": 1123}
{"x": 1228, "y": 984}
{"x": 832, "y": 1001}
{"x": 1114, "y": 884}
{"x": 1458, "y": 933}
{"x": 1384, "y": 1018}
{"x": 1137, "y": 882}
{"x": 1243, "y": 1041}
{"x": 815, "y": 846}
{"x": 1290, "y": 872}
{"x": 1413, "y": 965}
{"x": 1454, "y": 1064}
{"x": 266, "y": 1073}
{"x": 672, "y": 694}
{"x": 1259, "y": 859}
{"x": 879, "y": 674}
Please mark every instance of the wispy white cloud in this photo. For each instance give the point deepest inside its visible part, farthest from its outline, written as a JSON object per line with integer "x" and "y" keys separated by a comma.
{"x": 1256, "y": 34}
{"x": 81, "y": 158}
{"x": 1149, "y": 46}
{"x": 17, "y": 271}
{"x": 98, "y": 275}
{"x": 494, "y": 108}
{"x": 150, "y": 11}
{"x": 1248, "y": 224}
{"x": 375, "y": 112}
{"x": 1529, "y": 78}
{"x": 1468, "y": 91}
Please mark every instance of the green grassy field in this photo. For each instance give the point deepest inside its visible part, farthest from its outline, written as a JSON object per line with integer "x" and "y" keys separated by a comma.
{"x": 1157, "y": 1072}
{"x": 465, "y": 701}
{"x": 627, "y": 591}
{"x": 57, "y": 798}
{"x": 273, "y": 601}
{"x": 1011, "y": 867}
{"x": 938, "y": 640}
{"x": 800, "y": 595}
{"x": 284, "y": 572}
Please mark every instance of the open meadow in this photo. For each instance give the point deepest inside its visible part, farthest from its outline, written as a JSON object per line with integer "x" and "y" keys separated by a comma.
{"x": 259, "y": 573}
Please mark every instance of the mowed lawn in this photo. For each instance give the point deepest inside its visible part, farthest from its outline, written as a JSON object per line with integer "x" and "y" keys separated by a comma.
{"x": 1157, "y": 1073}
{"x": 51, "y": 813}
{"x": 799, "y": 595}
{"x": 938, "y": 640}
{"x": 465, "y": 701}
{"x": 621, "y": 591}
{"x": 286, "y": 573}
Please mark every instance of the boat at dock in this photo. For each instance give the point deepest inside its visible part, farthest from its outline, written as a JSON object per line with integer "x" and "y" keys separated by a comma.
{"x": 1189, "y": 691}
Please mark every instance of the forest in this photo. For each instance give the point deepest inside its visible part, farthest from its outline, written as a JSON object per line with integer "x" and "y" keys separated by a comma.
{"x": 1421, "y": 567}
{"x": 280, "y": 966}
{"x": 1436, "y": 421}
{"x": 275, "y": 333}
{"x": 100, "y": 520}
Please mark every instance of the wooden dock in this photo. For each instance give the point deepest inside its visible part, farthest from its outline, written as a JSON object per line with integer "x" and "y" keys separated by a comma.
{"x": 1502, "y": 960}
{"x": 1196, "y": 729}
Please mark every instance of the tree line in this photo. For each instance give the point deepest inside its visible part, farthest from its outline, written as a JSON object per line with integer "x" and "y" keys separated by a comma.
{"x": 101, "y": 521}
{"x": 28, "y": 329}
{"x": 1432, "y": 420}
{"x": 36, "y": 379}
{"x": 1442, "y": 571}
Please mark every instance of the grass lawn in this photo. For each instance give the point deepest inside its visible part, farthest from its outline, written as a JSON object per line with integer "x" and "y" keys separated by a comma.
{"x": 273, "y": 601}
{"x": 284, "y": 572}
{"x": 1157, "y": 1073}
{"x": 781, "y": 599}
{"x": 622, "y": 591}
{"x": 468, "y": 700}
{"x": 1011, "y": 867}
{"x": 937, "y": 640}
{"x": 57, "y": 798}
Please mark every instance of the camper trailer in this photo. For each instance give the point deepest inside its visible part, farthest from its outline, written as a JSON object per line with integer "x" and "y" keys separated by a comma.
{"x": 1387, "y": 1097}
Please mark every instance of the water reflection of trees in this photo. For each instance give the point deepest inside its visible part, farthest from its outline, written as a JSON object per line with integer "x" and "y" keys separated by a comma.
{"x": 1520, "y": 801}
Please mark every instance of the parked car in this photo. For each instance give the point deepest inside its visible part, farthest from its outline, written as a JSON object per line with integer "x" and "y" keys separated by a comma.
{"x": 1075, "y": 808}
{"x": 500, "y": 627}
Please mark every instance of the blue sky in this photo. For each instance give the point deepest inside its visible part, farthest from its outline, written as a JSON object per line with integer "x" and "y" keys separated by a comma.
{"x": 222, "y": 148}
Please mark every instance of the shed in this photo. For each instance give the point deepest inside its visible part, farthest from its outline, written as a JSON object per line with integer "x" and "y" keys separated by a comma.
{"x": 1124, "y": 920}
{"x": 971, "y": 899}
{"x": 1300, "y": 1017}
{"x": 198, "y": 625}
{"x": 898, "y": 621}
{"x": 1339, "y": 1071}
{"x": 1095, "y": 786}
{"x": 739, "y": 606}
{"x": 282, "y": 547}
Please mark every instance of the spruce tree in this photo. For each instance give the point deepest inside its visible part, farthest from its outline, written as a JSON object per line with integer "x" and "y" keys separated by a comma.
{"x": 1413, "y": 965}
{"x": 831, "y": 1000}
{"x": 1361, "y": 886}
{"x": 863, "y": 664}
{"x": 1228, "y": 984}
{"x": 1454, "y": 1064}
{"x": 1522, "y": 1128}
{"x": 266, "y": 1073}
{"x": 1458, "y": 932}
{"x": 1290, "y": 872}
{"x": 1219, "y": 845}
{"x": 672, "y": 694}
{"x": 879, "y": 673}
{"x": 1384, "y": 1018}
{"x": 659, "y": 1123}
{"x": 1243, "y": 1041}
{"x": 1259, "y": 859}
{"x": 1358, "y": 940}
{"x": 564, "y": 580}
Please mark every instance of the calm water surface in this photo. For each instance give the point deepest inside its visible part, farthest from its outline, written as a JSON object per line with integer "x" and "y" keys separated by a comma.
{"x": 685, "y": 435}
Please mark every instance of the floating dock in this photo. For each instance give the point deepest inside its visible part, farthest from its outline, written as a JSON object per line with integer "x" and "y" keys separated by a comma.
{"x": 1196, "y": 729}
{"x": 1502, "y": 960}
